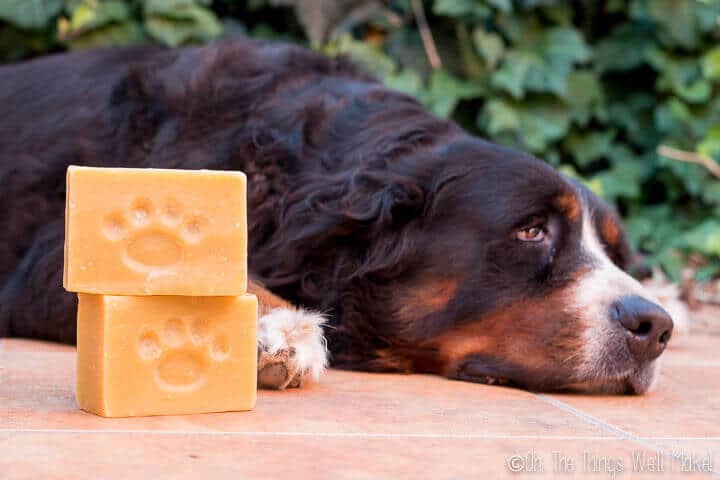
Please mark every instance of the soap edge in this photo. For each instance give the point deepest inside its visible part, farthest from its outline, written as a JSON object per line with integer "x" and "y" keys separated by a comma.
{"x": 66, "y": 240}
{"x": 237, "y": 173}
{"x": 91, "y": 305}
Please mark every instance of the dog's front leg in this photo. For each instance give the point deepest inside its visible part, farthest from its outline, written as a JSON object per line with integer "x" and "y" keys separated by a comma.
{"x": 291, "y": 346}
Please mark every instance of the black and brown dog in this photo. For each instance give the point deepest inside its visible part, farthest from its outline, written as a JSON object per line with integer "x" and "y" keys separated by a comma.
{"x": 429, "y": 250}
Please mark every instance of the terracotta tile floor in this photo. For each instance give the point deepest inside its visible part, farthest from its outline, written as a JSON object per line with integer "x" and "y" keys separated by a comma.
{"x": 357, "y": 426}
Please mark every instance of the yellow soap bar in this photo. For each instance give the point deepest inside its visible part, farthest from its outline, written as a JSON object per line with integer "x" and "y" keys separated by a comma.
{"x": 155, "y": 232}
{"x": 165, "y": 355}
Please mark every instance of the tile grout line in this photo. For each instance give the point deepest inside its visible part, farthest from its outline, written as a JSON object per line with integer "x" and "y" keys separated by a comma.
{"x": 460, "y": 436}
{"x": 621, "y": 434}
{"x": 450, "y": 436}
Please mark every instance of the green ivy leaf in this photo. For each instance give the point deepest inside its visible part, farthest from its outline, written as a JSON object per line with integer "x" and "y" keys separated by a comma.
{"x": 559, "y": 13}
{"x": 542, "y": 62}
{"x": 710, "y": 144}
{"x": 499, "y": 117}
{"x": 656, "y": 228}
{"x": 178, "y": 22}
{"x": 681, "y": 76}
{"x": 711, "y": 193}
{"x": 584, "y": 95}
{"x": 168, "y": 7}
{"x": 536, "y": 123}
{"x": 445, "y": 90}
{"x": 89, "y": 16}
{"x": 502, "y": 5}
{"x": 711, "y": 64}
{"x": 623, "y": 179}
{"x": 515, "y": 28}
{"x": 705, "y": 238}
{"x": 30, "y": 14}
{"x": 633, "y": 113}
{"x": 467, "y": 9}
{"x": 202, "y": 26}
{"x": 490, "y": 46}
{"x": 612, "y": 53}
{"x": 512, "y": 76}
{"x": 589, "y": 147}
{"x": 116, "y": 34}
{"x": 407, "y": 81}
{"x": 682, "y": 22}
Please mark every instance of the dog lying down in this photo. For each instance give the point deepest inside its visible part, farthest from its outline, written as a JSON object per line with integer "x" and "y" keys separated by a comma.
{"x": 414, "y": 246}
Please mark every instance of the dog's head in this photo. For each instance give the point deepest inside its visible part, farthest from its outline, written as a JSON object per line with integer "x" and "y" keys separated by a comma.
{"x": 435, "y": 251}
{"x": 519, "y": 276}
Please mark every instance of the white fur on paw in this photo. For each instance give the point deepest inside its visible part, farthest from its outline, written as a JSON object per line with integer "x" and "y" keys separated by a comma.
{"x": 291, "y": 348}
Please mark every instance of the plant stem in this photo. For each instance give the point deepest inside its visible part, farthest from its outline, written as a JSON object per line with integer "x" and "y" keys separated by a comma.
{"x": 426, "y": 35}
{"x": 690, "y": 157}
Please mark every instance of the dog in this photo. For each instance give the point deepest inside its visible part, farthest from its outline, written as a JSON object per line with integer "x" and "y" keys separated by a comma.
{"x": 409, "y": 244}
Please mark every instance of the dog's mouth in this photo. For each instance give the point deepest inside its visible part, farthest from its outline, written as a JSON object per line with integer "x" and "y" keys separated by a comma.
{"x": 479, "y": 372}
{"x": 634, "y": 382}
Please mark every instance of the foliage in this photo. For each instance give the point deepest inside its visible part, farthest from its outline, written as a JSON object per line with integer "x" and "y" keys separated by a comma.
{"x": 591, "y": 86}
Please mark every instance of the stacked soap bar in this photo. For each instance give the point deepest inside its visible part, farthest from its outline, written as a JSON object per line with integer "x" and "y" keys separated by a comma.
{"x": 159, "y": 261}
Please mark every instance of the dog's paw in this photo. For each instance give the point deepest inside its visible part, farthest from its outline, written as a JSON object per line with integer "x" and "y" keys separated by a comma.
{"x": 291, "y": 348}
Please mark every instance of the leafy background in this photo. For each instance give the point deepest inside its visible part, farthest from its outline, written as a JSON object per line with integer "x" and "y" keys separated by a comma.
{"x": 594, "y": 87}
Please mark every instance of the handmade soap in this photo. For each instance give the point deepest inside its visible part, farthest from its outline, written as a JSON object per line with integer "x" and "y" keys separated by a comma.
{"x": 155, "y": 232}
{"x": 164, "y": 355}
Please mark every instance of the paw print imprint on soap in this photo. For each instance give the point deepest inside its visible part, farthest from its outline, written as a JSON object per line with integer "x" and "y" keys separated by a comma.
{"x": 182, "y": 352}
{"x": 154, "y": 236}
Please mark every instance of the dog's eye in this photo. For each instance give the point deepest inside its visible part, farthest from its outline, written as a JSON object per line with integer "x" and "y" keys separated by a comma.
{"x": 531, "y": 234}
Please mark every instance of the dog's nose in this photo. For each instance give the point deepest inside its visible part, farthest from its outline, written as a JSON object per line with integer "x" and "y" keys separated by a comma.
{"x": 649, "y": 327}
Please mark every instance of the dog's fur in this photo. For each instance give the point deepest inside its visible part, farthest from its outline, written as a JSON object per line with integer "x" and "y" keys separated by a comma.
{"x": 396, "y": 224}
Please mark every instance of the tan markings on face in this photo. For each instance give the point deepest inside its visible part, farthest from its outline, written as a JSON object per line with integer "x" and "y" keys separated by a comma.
{"x": 427, "y": 298}
{"x": 569, "y": 204}
{"x": 610, "y": 231}
{"x": 533, "y": 334}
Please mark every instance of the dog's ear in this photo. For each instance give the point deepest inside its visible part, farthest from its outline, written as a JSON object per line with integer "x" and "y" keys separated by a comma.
{"x": 352, "y": 225}
{"x": 370, "y": 201}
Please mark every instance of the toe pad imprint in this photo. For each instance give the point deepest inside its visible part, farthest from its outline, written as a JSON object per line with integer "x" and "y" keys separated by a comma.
{"x": 153, "y": 238}
{"x": 182, "y": 352}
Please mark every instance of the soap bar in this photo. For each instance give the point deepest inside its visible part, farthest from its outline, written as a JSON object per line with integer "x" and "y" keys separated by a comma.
{"x": 166, "y": 355}
{"x": 155, "y": 232}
